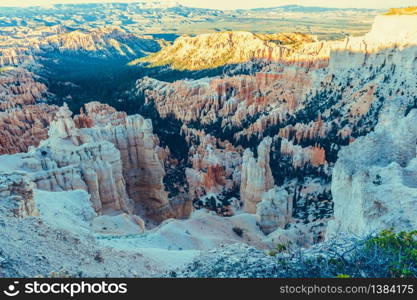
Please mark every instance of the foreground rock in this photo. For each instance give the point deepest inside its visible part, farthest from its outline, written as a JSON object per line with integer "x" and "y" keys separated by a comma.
{"x": 233, "y": 261}
{"x": 243, "y": 261}
{"x": 48, "y": 251}
{"x": 374, "y": 178}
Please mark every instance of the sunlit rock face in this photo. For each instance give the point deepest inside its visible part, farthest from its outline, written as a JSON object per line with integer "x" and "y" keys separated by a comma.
{"x": 392, "y": 40}
{"x": 121, "y": 224}
{"x": 374, "y": 178}
{"x": 394, "y": 28}
{"x": 217, "y": 49}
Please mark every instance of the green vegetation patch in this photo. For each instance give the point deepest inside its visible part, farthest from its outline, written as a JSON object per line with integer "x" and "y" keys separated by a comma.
{"x": 385, "y": 255}
{"x": 401, "y": 247}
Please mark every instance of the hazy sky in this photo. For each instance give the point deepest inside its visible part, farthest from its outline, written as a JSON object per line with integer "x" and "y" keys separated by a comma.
{"x": 232, "y": 4}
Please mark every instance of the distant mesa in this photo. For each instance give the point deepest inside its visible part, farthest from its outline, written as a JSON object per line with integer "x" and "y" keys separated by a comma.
{"x": 217, "y": 49}
{"x": 213, "y": 50}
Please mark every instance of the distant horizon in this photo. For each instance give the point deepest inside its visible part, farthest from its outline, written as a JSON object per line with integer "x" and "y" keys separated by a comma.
{"x": 232, "y": 4}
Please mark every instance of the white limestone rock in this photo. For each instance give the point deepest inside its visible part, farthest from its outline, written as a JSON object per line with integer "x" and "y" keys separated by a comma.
{"x": 374, "y": 180}
{"x": 275, "y": 210}
{"x": 256, "y": 176}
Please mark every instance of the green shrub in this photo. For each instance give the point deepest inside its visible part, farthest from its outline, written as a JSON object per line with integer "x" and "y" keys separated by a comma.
{"x": 401, "y": 247}
{"x": 279, "y": 248}
{"x": 382, "y": 255}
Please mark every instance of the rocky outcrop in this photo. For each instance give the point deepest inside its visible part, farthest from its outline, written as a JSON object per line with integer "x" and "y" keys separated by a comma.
{"x": 23, "y": 127}
{"x": 116, "y": 159}
{"x": 99, "y": 114}
{"x": 67, "y": 161}
{"x": 274, "y": 211}
{"x": 142, "y": 157}
{"x": 256, "y": 176}
{"x": 19, "y": 87}
{"x": 231, "y": 101}
{"x": 26, "y": 56}
{"x": 301, "y": 132}
{"x": 104, "y": 41}
{"x": 300, "y": 105}
{"x": 16, "y": 196}
{"x": 349, "y": 84}
{"x": 23, "y": 123}
{"x": 215, "y": 165}
{"x": 312, "y": 155}
{"x": 309, "y": 113}
{"x": 298, "y": 235}
{"x": 213, "y": 50}
{"x": 374, "y": 178}
{"x": 24, "y": 48}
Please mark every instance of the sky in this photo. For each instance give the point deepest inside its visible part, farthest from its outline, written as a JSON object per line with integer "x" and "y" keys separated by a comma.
{"x": 234, "y": 4}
